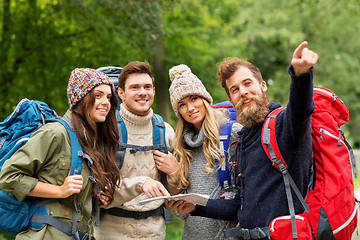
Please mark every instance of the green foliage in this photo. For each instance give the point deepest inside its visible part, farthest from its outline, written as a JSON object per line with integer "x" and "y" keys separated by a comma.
{"x": 41, "y": 41}
{"x": 174, "y": 230}
{"x": 195, "y": 32}
{"x": 6, "y": 236}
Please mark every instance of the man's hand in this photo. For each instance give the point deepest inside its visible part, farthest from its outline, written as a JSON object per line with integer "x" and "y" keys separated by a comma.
{"x": 165, "y": 162}
{"x": 105, "y": 200}
{"x": 303, "y": 59}
{"x": 153, "y": 188}
{"x": 181, "y": 206}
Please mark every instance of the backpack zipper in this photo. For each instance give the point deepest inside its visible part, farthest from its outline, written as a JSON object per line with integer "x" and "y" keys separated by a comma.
{"x": 284, "y": 218}
{"x": 328, "y": 93}
{"x": 323, "y": 131}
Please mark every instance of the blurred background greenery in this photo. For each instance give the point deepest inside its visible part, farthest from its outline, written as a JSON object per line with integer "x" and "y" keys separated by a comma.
{"x": 43, "y": 40}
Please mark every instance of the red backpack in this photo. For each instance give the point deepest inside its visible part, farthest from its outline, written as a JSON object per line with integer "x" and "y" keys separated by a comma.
{"x": 331, "y": 212}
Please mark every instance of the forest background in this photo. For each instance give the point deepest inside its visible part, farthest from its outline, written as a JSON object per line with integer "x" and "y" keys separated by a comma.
{"x": 43, "y": 40}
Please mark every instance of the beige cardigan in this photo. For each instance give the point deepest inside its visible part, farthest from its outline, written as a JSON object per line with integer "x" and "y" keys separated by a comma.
{"x": 138, "y": 167}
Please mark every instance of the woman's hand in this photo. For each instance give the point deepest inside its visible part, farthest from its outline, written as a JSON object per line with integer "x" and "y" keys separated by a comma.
{"x": 153, "y": 188}
{"x": 71, "y": 185}
{"x": 165, "y": 162}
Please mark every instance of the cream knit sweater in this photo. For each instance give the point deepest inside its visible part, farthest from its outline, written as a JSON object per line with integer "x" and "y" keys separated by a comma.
{"x": 138, "y": 166}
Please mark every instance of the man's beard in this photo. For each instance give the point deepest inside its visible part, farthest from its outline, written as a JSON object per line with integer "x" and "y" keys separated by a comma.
{"x": 248, "y": 116}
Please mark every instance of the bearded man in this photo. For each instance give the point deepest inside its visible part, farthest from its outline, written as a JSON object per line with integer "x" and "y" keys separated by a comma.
{"x": 262, "y": 195}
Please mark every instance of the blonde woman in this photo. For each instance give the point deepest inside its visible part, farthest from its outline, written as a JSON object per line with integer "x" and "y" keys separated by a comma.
{"x": 197, "y": 148}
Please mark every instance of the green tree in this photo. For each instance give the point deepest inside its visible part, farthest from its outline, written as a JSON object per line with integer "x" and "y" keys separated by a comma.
{"x": 41, "y": 41}
{"x": 273, "y": 34}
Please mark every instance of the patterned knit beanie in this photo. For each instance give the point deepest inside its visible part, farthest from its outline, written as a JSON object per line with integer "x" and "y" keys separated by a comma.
{"x": 82, "y": 81}
{"x": 185, "y": 83}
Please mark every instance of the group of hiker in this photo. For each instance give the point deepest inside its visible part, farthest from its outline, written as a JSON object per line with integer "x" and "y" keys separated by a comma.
{"x": 135, "y": 155}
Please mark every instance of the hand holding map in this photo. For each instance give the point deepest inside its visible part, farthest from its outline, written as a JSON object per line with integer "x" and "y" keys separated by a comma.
{"x": 195, "y": 198}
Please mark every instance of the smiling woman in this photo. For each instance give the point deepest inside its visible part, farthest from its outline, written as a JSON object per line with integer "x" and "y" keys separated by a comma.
{"x": 192, "y": 109}
{"x": 45, "y": 173}
{"x": 197, "y": 141}
{"x": 102, "y": 103}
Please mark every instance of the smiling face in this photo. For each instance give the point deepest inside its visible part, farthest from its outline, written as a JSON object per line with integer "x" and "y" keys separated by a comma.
{"x": 249, "y": 97}
{"x": 243, "y": 87}
{"x": 102, "y": 105}
{"x": 138, "y": 93}
{"x": 192, "y": 109}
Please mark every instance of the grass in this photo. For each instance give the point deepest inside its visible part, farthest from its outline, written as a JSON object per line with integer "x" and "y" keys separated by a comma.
{"x": 6, "y": 236}
{"x": 174, "y": 230}
{"x": 357, "y": 181}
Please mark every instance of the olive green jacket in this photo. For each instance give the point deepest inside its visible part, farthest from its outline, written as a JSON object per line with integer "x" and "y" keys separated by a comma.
{"x": 46, "y": 157}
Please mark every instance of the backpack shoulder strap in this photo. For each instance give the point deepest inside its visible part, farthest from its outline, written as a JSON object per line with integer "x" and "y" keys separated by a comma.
{"x": 224, "y": 172}
{"x": 159, "y": 142}
{"x": 268, "y": 140}
{"x": 76, "y": 149}
{"x": 120, "y": 153}
{"x": 77, "y": 152}
{"x": 76, "y": 166}
{"x": 271, "y": 148}
{"x": 159, "y": 133}
{"x": 122, "y": 128}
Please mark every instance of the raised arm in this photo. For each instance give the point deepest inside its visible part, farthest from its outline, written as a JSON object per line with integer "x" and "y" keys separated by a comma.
{"x": 303, "y": 59}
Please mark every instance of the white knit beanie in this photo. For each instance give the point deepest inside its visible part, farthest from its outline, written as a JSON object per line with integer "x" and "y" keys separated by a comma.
{"x": 185, "y": 83}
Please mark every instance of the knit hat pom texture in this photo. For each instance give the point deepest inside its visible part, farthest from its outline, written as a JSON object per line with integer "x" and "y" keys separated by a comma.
{"x": 82, "y": 81}
{"x": 178, "y": 70}
{"x": 184, "y": 84}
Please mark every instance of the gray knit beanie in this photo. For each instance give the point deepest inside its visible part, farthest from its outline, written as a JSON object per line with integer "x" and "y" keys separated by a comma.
{"x": 185, "y": 83}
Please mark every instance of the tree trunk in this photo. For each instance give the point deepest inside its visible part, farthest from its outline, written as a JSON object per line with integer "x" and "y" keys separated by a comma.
{"x": 161, "y": 81}
{"x": 5, "y": 74}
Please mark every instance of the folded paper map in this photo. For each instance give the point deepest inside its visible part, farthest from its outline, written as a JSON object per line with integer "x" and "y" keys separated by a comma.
{"x": 195, "y": 198}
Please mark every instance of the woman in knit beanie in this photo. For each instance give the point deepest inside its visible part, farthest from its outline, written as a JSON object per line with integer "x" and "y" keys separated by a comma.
{"x": 93, "y": 102}
{"x": 40, "y": 168}
{"x": 197, "y": 148}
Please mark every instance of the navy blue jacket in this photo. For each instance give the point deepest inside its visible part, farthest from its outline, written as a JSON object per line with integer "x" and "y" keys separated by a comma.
{"x": 262, "y": 194}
